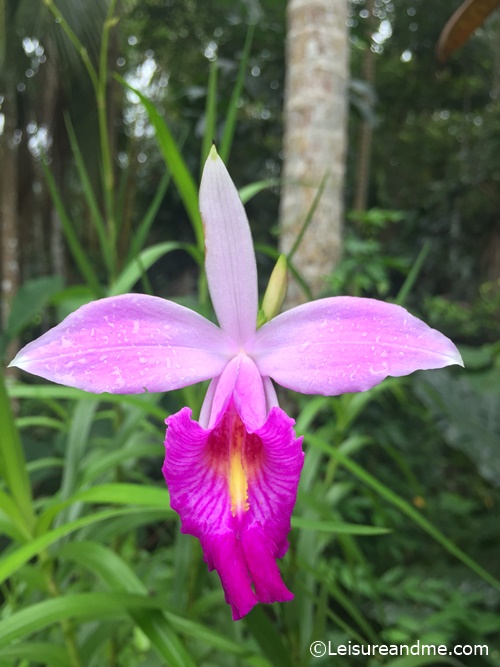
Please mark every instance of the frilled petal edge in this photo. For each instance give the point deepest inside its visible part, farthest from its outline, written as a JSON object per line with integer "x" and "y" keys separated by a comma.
{"x": 235, "y": 490}
{"x": 346, "y": 344}
{"x": 128, "y": 344}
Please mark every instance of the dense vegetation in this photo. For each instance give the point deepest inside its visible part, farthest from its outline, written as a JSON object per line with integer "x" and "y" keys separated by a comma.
{"x": 396, "y": 527}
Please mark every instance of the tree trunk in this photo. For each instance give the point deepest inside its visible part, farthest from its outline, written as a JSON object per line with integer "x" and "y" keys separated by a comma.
{"x": 365, "y": 136}
{"x": 8, "y": 195}
{"x": 315, "y": 115}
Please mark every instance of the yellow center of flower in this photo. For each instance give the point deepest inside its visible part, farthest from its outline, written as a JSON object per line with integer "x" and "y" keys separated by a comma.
{"x": 238, "y": 484}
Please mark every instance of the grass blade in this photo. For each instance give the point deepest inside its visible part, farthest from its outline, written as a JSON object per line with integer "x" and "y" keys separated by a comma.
{"x": 76, "y": 249}
{"x": 232, "y": 110}
{"x": 139, "y": 238}
{"x": 210, "y": 113}
{"x": 137, "y": 268}
{"x": 13, "y": 462}
{"x": 175, "y": 163}
{"x": 96, "y": 216}
{"x": 82, "y": 606}
{"x": 405, "y": 508}
{"x": 14, "y": 560}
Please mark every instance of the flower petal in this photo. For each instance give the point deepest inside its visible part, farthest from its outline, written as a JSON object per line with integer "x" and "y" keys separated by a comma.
{"x": 235, "y": 490}
{"x": 128, "y": 344}
{"x": 230, "y": 258}
{"x": 346, "y": 344}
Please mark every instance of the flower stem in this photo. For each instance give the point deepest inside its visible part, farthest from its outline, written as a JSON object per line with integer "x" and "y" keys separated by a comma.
{"x": 66, "y": 625}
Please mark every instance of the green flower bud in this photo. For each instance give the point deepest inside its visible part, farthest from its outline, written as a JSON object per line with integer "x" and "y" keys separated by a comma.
{"x": 275, "y": 292}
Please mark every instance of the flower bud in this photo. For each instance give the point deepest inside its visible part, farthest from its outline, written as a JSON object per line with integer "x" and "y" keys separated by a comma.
{"x": 275, "y": 292}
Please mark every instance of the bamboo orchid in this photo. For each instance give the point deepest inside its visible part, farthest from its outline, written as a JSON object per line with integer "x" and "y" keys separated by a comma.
{"x": 233, "y": 475}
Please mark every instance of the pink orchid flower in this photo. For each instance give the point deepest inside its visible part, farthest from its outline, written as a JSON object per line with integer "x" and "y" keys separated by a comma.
{"x": 233, "y": 475}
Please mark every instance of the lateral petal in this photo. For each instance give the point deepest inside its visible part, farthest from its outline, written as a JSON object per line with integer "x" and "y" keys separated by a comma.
{"x": 127, "y": 345}
{"x": 346, "y": 344}
{"x": 230, "y": 258}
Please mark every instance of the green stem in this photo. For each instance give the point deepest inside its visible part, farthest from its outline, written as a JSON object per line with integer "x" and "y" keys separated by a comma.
{"x": 75, "y": 41}
{"x": 107, "y": 162}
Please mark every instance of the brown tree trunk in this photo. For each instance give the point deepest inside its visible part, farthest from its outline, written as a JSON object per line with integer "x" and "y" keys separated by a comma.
{"x": 8, "y": 196}
{"x": 365, "y": 136}
{"x": 315, "y": 136}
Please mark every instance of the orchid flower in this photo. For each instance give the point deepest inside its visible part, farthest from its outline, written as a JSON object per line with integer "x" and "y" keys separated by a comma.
{"x": 233, "y": 475}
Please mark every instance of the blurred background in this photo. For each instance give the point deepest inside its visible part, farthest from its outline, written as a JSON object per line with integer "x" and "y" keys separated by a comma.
{"x": 364, "y": 136}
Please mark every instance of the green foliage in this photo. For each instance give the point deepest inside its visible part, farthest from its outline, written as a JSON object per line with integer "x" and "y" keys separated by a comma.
{"x": 365, "y": 268}
{"x": 473, "y": 322}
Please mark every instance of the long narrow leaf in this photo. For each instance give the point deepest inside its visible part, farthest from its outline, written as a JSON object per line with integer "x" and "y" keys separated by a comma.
{"x": 53, "y": 656}
{"x": 405, "y": 508}
{"x": 338, "y": 528}
{"x": 14, "y": 560}
{"x": 140, "y": 234}
{"x": 210, "y": 113}
{"x": 118, "y": 575}
{"x": 156, "y": 625}
{"x": 12, "y": 461}
{"x": 120, "y": 494}
{"x": 232, "y": 110}
{"x": 96, "y": 215}
{"x": 76, "y": 249}
{"x": 45, "y": 392}
{"x": 83, "y": 606}
{"x": 411, "y": 278}
{"x": 175, "y": 163}
{"x": 136, "y": 269}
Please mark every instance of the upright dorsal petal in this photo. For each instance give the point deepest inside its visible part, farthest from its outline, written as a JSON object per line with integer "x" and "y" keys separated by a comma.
{"x": 230, "y": 258}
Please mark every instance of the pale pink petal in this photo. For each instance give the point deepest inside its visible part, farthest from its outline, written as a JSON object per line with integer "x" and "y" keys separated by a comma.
{"x": 241, "y": 536}
{"x": 128, "y": 344}
{"x": 249, "y": 394}
{"x": 206, "y": 408}
{"x": 230, "y": 258}
{"x": 346, "y": 344}
{"x": 241, "y": 381}
{"x": 270, "y": 392}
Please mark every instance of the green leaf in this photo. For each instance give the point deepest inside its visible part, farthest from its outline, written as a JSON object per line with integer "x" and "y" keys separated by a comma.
{"x": 45, "y": 422}
{"x": 210, "y": 113}
{"x": 53, "y": 656}
{"x": 82, "y": 606}
{"x": 15, "y": 559}
{"x": 84, "y": 180}
{"x": 232, "y": 110}
{"x": 31, "y": 299}
{"x": 339, "y": 528}
{"x": 120, "y": 577}
{"x": 156, "y": 625}
{"x": 140, "y": 234}
{"x": 412, "y": 277}
{"x": 52, "y": 391}
{"x": 12, "y": 461}
{"x": 422, "y": 660}
{"x": 407, "y": 509}
{"x": 110, "y": 460}
{"x": 79, "y": 255}
{"x": 120, "y": 494}
{"x": 9, "y": 507}
{"x": 175, "y": 163}
{"x": 138, "y": 267}
{"x": 136, "y": 494}
{"x": 268, "y": 638}
{"x": 248, "y": 191}
{"x": 81, "y": 423}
